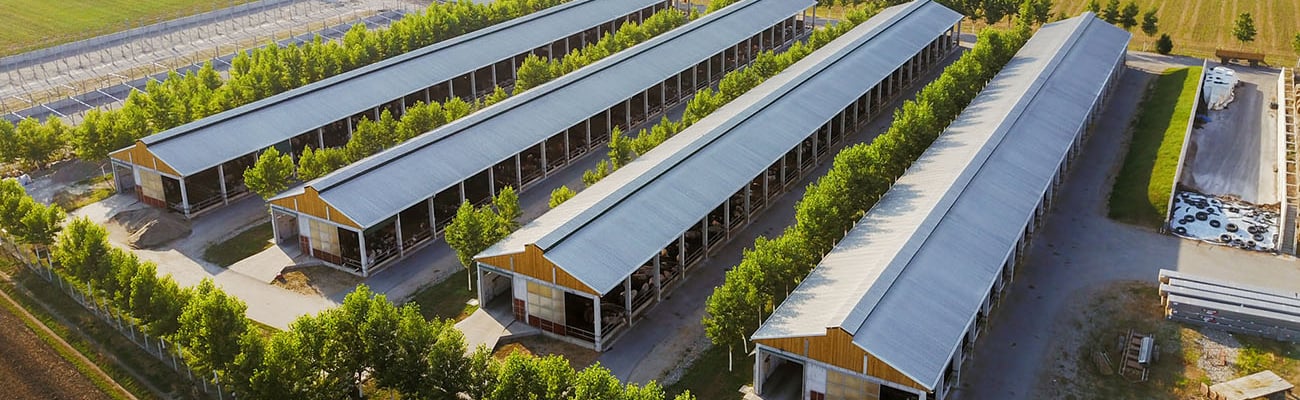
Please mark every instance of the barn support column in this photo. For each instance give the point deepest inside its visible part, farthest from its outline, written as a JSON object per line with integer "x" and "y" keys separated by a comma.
{"x": 659, "y": 284}
{"x": 185, "y": 198}
{"x": 397, "y": 228}
{"x": 627, "y": 299}
{"x": 365, "y": 262}
{"x": 595, "y": 300}
{"x": 221, "y": 177}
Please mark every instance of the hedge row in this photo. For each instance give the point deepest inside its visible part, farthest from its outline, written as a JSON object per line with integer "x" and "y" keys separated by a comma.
{"x": 623, "y": 149}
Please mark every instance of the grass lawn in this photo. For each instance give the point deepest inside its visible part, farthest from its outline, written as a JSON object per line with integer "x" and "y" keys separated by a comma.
{"x": 1142, "y": 189}
{"x": 448, "y": 299}
{"x": 35, "y": 24}
{"x": 100, "y": 188}
{"x": 708, "y": 377}
{"x": 241, "y": 246}
{"x": 1197, "y": 27}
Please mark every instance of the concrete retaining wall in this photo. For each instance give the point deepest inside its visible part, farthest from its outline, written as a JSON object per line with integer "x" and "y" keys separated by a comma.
{"x": 1187, "y": 138}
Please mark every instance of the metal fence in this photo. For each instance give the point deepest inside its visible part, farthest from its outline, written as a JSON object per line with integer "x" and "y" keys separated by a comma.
{"x": 164, "y": 350}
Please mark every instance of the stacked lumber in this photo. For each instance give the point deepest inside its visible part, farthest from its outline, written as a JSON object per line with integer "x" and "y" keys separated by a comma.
{"x": 1229, "y": 306}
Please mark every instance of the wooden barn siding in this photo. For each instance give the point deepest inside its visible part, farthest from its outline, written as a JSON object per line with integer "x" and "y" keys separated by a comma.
{"x": 140, "y": 155}
{"x": 311, "y": 204}
{"x": 837, "y": 348}
{"x": 532, "y": 263}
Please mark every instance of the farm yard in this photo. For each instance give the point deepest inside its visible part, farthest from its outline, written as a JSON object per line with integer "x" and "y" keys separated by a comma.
{"x": 1199, "y": 26}
{"x": 49, "y": 23}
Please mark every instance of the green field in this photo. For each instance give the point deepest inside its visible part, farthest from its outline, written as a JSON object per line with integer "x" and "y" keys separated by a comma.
{"x": 1199, "y": 26}
{"x": 1141, "y": 192}
{"x": 35, "y": 24}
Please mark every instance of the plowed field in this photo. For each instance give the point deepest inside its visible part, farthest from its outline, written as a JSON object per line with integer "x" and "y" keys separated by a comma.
{"x": 31, "y": 369}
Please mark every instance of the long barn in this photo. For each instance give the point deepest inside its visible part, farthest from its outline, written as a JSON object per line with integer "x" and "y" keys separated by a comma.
{"x": 199, "y": 166}
{"x": 587, "y": 269}
{"x": 895, "y": 308}
{"x": 384, "y": 207}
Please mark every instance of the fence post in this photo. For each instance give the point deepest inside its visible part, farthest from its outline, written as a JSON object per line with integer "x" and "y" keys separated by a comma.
{"x": 216, "y": 382}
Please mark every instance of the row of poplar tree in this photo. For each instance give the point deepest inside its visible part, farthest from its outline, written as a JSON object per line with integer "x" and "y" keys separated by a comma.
{"x": 366, "y": 342}
{"x": 274, "y": 171}
{"x": 254, "y": 75}
{"x": 623, "y": 149}
{"x": 858, "y": 177}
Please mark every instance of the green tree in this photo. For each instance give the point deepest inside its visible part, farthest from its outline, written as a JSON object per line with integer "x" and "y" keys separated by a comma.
{"x": 507, "y": 205}
{"x": 560, "y": 195}
{"x": 498, "y": 95}
{"x": 314, "y": 164}
{"x": 470, "y": 232}
{"x": 271, "y": 173}
{"x": 210, "y": 326}
{"x": 1164, "y": 45}
{"x": 1295, "y": 45}
{"x": 1150, "y": 22}
{"x": 996, "y": 10}
{"x": 620, "y": 149}
{"x": 1244, "y": 28}
{"x": 532, "y": 72}
{"x": 83, "y": 250}
{"x": 1111, "y": 13}
{"x": 1128, "y": 16}
{"x": 41, "y": 224}
{"x": 591, "y": 176}
{"x": 95, "y": 137}
{"x": 1093, "y": 6}
{"x": 36, "y": 143}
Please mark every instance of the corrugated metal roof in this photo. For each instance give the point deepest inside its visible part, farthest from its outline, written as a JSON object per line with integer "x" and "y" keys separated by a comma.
{"x": 380, "y": 186}
{"x": 203, "y": 144}
{"x": 686, "y": 177}
{"x": 910, "y": 277}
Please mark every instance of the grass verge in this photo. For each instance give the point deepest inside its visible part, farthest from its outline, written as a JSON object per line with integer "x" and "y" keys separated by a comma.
{"x": 241, "y": 246}
{"x": 447, "y": 299}
{"x": 708, "y": 377}
{"x": 35, "y": 24}
{"x": 1141, "y": 192}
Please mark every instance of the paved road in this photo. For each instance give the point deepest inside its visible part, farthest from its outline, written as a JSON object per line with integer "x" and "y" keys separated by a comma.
{"x": 117, "y": 93}
{"x": 1080, "y": 250}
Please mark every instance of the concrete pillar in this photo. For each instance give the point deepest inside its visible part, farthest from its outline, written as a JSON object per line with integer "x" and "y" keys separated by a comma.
{"x": 658, "y": 279}
{"x": 397, "y": 231}
{"x": 221, "y": 176}
{"x": 185, "y": 199}
{"x": 627, "y": 298}
{"x": 596, "y": 313}
{"x": 365, "y": 258}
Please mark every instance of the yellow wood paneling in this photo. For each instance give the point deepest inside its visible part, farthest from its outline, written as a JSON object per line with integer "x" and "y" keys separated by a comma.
{"x": 533, "y": 263}
{"x": 310, "y": 203}
{"x": 836, "y": 348}
{"x": 140, "y": 155}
